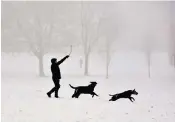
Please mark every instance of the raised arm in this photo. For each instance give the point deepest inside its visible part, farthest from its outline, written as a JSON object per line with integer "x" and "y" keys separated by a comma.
{"x": 61, "y": 61}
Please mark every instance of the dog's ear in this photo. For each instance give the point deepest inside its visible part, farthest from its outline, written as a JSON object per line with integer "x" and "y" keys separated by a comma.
{"x": 93, "y": 82}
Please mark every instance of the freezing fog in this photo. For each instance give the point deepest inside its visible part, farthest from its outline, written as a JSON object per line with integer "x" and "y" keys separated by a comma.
{"x": 120, "y": 45}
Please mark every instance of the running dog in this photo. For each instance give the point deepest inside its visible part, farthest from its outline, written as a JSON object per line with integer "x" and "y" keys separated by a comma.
{"x": 125, "y": 94}
{"x": 84, "y": 90}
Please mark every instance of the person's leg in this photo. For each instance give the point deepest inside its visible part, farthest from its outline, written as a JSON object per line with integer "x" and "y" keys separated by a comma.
{"x": 53, "y": 89}
{"x": 57, "y": 87}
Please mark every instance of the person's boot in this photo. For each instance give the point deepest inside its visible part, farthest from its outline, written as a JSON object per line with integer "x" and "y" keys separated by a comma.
{"x": 56, "y": 96}
{"x": 49, "y": 95}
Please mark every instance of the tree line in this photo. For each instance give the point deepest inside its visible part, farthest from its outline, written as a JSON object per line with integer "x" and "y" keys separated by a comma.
{"x": 50, "y": 26}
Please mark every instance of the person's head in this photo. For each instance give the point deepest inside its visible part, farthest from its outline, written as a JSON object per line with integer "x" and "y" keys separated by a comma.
{"x": 53, "y": 60}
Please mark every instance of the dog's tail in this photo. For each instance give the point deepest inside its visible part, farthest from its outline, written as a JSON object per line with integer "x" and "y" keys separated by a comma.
{"x": 72, "y": 86}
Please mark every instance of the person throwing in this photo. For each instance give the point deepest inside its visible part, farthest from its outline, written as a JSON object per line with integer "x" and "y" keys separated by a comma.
{"x": 56, "y": 75}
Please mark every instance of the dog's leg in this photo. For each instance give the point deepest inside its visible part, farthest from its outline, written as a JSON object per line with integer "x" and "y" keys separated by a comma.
{"x": 130, "y": 98}
{"x": 114, "y": 98}
{"x": 77, "y": 94}
{"x": 73, "y": 95}
{"x": 110, "y": 99}
{"x": 92, "y": 94}
{"x": 75, "y": 91}
{"x": 95, "y": 93}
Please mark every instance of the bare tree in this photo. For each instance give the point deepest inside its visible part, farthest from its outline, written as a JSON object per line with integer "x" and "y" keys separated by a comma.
{"x": 109, "y": 31}
{"x": 38, "y": 34}
{"x": 90, "y": 29}
{"x": 108, "y": 56}
{"x": 148, "y": 54}
{"x": 37, "y": 43}
{"x": 148, "y": 50}
{"x": 38, "y": 26}
{"x": 172, "y": 27}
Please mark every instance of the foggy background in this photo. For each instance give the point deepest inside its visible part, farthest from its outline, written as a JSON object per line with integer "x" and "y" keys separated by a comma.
{"x": 120, "y": 45}
{"x": 108, "y": 36}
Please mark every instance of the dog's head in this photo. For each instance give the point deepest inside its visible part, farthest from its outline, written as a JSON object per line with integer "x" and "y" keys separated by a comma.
{"x": 134, "y": 92}
{"x": 93, "y": 83}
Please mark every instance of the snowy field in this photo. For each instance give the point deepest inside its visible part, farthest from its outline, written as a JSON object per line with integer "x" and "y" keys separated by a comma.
{"x": 24, "y": 93}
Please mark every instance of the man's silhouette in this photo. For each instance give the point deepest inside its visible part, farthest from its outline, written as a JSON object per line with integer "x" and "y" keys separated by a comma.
{"x": 56, "y": 75}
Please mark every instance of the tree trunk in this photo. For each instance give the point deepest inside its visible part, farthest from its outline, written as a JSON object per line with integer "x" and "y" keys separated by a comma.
{"x": 107, "y": 71}
{"x": 171, "y": 59}
{"x": 174, "y": 61}
{"x": 86, "y": 72}
{"x": 41, "y": 69}
{"x": 107, "y": 64}
{"x": 149, "y": 66}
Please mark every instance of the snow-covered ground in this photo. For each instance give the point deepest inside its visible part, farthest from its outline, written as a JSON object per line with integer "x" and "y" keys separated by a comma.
{"x": 24, "y": 95}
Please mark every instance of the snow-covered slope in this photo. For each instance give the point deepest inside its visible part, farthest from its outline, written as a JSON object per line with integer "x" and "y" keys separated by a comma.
{"x": 24, "y": 95}
{"x": 25, "y": 100}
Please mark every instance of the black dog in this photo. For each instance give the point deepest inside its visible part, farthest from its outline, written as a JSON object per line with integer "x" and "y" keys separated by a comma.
{"x": 126, "y": 94}
{"x": 84, "y": 90}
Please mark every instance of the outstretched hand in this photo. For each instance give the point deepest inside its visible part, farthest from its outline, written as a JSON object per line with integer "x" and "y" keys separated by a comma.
{"x": 67, "y": 56}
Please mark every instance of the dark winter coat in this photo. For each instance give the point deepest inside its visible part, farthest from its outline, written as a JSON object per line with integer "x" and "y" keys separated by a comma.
{"x": 55, "y": 68}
